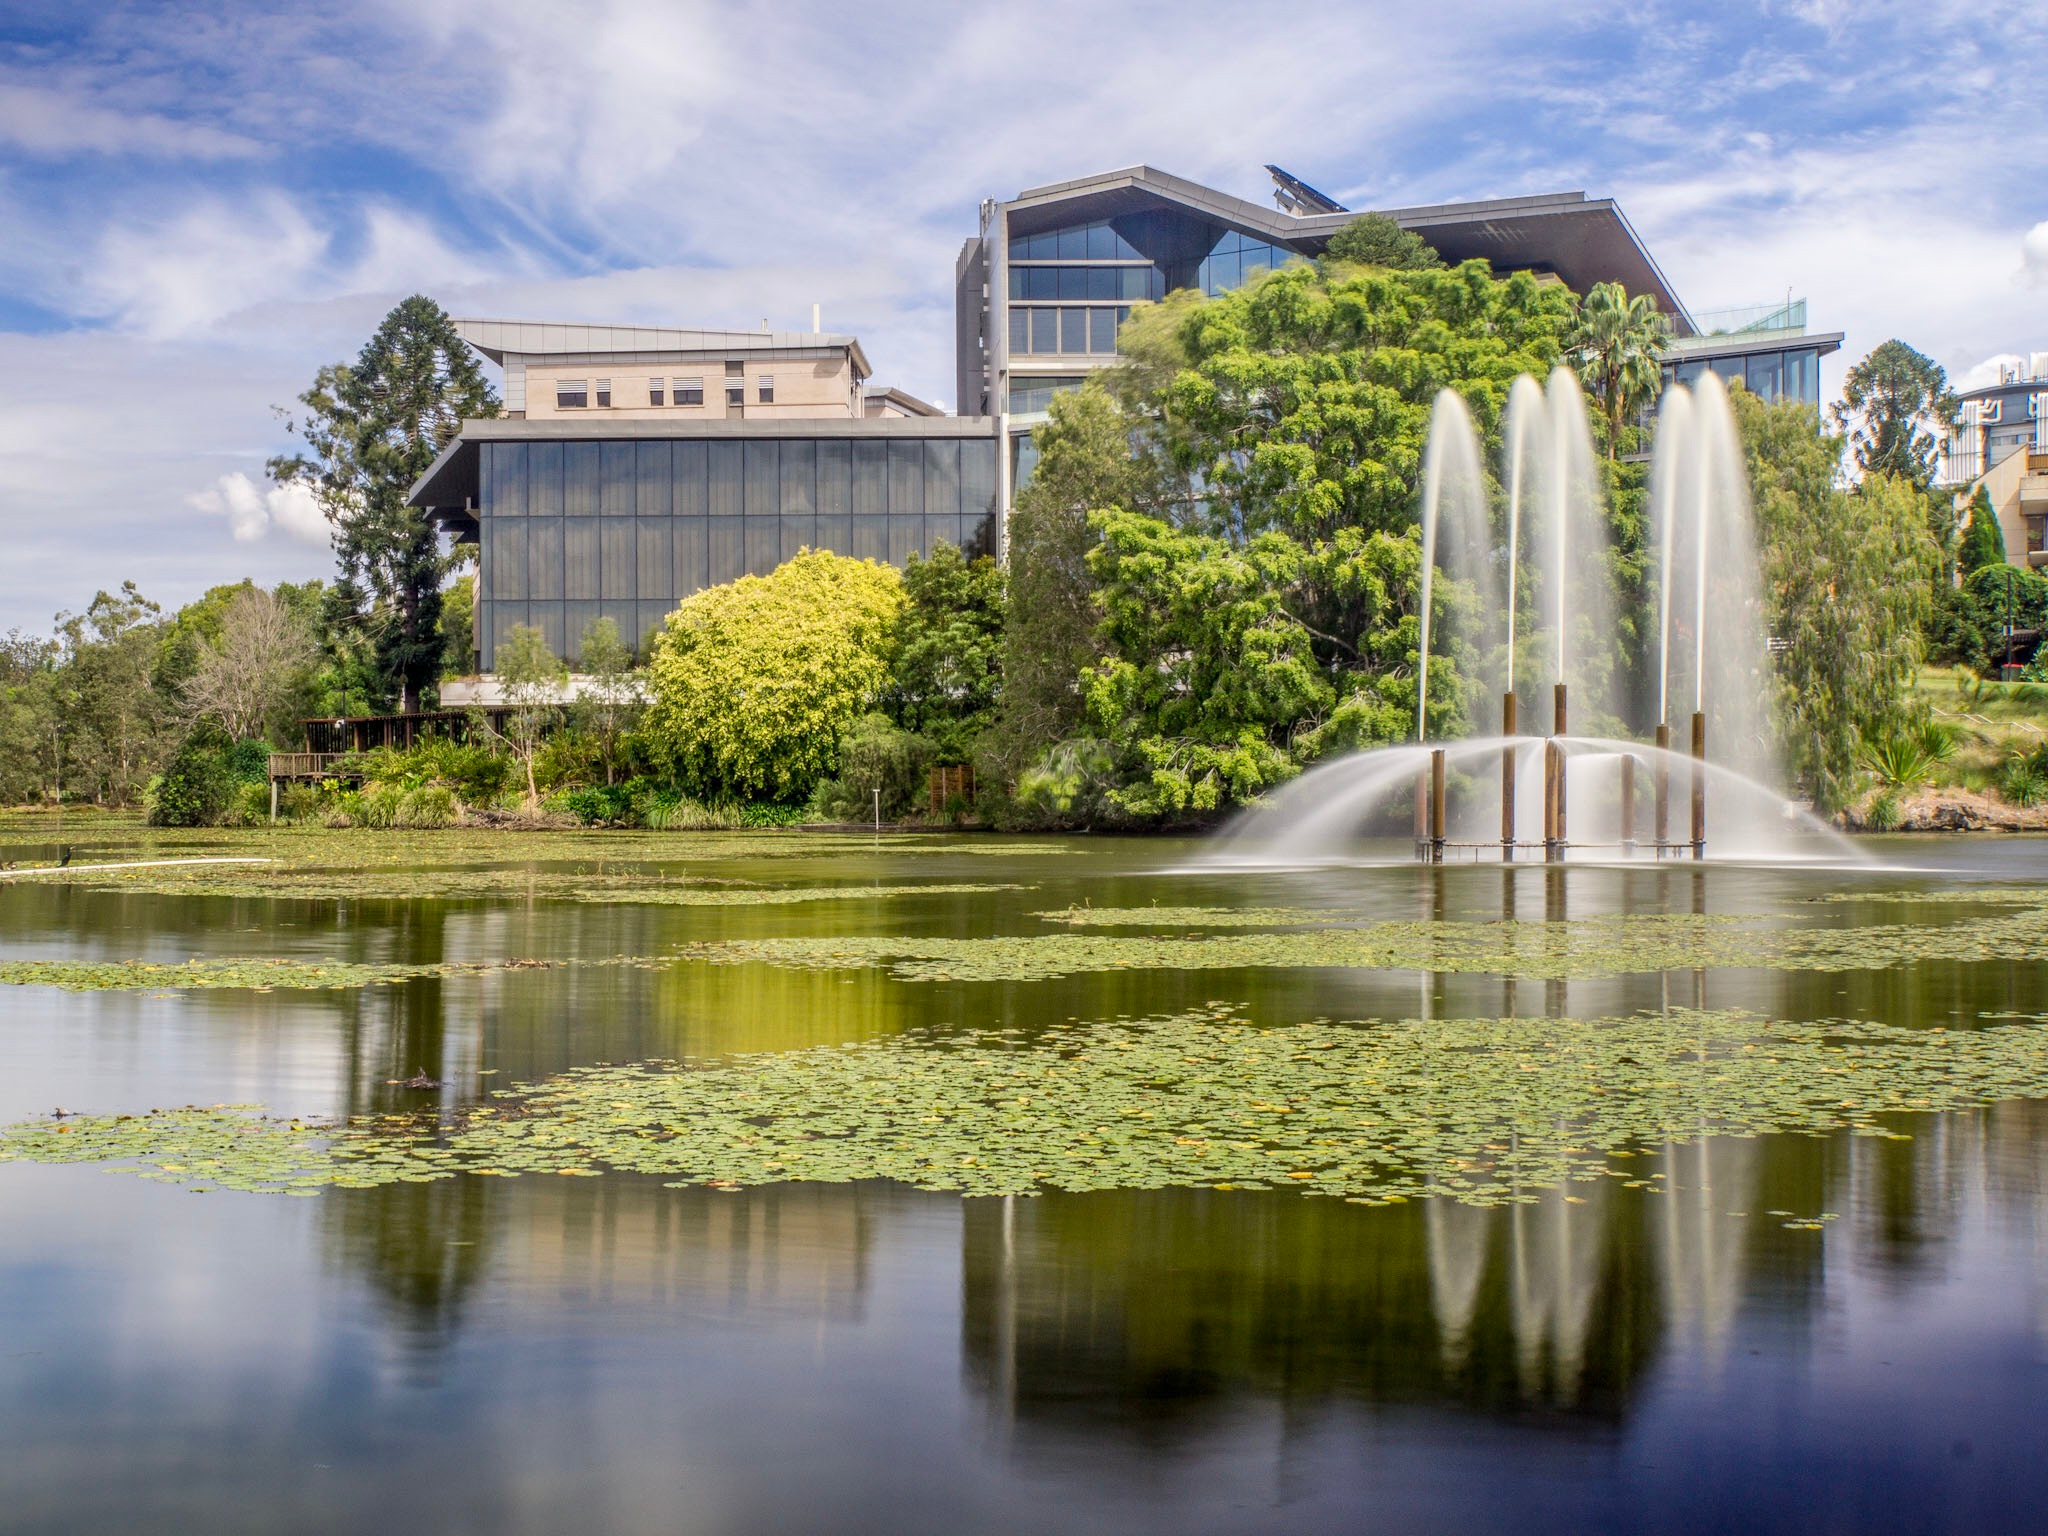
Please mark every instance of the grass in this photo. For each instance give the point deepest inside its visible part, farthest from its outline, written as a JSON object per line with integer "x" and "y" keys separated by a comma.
{"x": 1992, "y": 721}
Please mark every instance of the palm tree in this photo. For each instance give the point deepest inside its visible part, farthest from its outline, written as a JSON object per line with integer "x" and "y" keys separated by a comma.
{"x": 1616, "y": 347}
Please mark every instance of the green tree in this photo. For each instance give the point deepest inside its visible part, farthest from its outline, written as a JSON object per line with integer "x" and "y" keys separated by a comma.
{"x": 29, "y": 729}
{"x": 1895, "y": 406}
{"x": 948, "y": 670}
{"x": 374, "y": 427}
{"x": 116, "y": 723}
{"x": 612, "y": 694}
{"x": 1617, "y": 346}
{"x": 1983, "y": 543}
{"x": 1375, "y": 240}
{"x": 1847, "y": 578}
{"x": 532, "y": 677}
{"x": 1085, "y": 463}
{"x": 756, "y": 682}
{"x": 458, "y": 625}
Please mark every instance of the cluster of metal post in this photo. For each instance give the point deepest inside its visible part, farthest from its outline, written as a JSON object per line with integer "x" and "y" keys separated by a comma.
{"x": 1430, "y": 793}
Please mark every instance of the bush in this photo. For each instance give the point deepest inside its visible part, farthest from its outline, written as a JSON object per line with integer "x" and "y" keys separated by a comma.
{"x": 600, "y": 805}
{"x": 879, "y": 763}
{"x": 2022, "y": 782}
{"x": 197, "y": 784}
{"x": 299, "y": 802}
{"x": 679, "y": 813}
{"x": 394, "y": 805}
{"x": 1899, "y": 761}
{"x": 1882, "y": 814}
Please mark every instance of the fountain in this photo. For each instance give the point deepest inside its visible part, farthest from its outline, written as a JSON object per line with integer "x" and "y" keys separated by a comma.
{"x": 1522, "y": 601}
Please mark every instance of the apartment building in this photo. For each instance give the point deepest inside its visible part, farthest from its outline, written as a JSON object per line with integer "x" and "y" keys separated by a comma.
{"x": 2000, "y": 446}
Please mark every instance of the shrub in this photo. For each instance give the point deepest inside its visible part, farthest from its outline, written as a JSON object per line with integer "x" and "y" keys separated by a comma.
{"x": 679, "y": 813}
{"x": 2021, "y": 782}
{"x": 771, "y": 813}
{"x": 879, "y": 764}
{"x": 600, "y": 805}
{"x": 299, "y": 802}
{"x": 1899, "y": 761}
{"x": 394, "y": 805}
{"x": 196, "y": 785}
{"x": 1882, "y": 814}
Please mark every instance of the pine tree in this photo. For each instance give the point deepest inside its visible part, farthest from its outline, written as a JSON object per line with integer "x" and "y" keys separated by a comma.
{"x": 374, "y": 427}
{"x": 1894, "y": 405}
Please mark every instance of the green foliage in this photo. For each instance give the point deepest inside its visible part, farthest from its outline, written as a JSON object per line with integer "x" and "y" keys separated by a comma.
{"x": 1895, "y": 405}
{"x": 532, "y": 677}
{"x": 374, "y": 427}
{"x": 948, "y": 671}
{"x": 1899, "y": 761}
{"x": 2023, "y": 779}
{"x": 665, "y": 811}
{"x": 1882, "y": 814}
{"x": 396, "y": 806}
{"x": 1847, "y": 577}
{"x": 196, "y": 785}
{"x": 756, "y": 682}
{"x": 1375, "y": 240}
{"x": 613, "y": 697}
{"x": 1983, "y": 543}
{"x": 1616, "y": 345}
{"x": 458, "y": 627}
{"x": 883, "y": 769}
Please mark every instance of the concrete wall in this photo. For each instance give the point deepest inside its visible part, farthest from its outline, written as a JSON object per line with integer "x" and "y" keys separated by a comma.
{"x": 806, "y": 387}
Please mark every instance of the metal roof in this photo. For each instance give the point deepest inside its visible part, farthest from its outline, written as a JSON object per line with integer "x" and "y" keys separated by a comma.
{"x": 551, "y": 338}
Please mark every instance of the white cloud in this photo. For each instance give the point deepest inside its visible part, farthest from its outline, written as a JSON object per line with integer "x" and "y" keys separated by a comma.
{"x": 217, "y": 257}
{"x": 54, "y": 123}
{"x": 2034, "y": 256}
{"x": 251, "y": 513}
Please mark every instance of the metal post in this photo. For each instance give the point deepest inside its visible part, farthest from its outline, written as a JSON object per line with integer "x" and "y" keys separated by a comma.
{"x": 1422, "y": 815}
{"x": 1628, "y": 802}
{"x": 1550, "y": 788}
{"x": 1557, "y": 730}
{"x": 1508, "y": 711}
{"x": 1663, "y": 788}
{"x": 1699, "y": 786}
{"x": 1436, "y": 806}
{"x": 273, "y": 801}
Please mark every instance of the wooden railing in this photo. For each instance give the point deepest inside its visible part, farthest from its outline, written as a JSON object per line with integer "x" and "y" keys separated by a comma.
{"x": 303, "y": 765}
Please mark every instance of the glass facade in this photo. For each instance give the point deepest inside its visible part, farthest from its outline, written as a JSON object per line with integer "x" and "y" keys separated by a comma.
{"x": 1028, "y": 395}
{"x": 1077, "y": 242}
{"x": 1071, "y": 330}
{"x": 1233, "y": 260}
{"x": 570, "y": 532}
{"x": 1128, "y": 284}
{"x": 1793, "y": 374}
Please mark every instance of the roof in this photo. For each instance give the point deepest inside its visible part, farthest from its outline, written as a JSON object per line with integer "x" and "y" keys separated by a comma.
{"x": 1743, "y": 343}
{"x": 550, "y": 338}
{"x": 1583, "y": 240}
{"x": 450, "y": 482}
{"x": 902, "y": 399}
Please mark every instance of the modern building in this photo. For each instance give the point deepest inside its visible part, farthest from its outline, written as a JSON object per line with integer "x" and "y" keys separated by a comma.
{"x": 2000, "y": 446}
{"x": 1043, "y": 285}
{"x": 636, "y": 465}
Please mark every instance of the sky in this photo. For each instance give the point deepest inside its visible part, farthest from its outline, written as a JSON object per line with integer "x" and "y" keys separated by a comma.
{"x": 201, "y": 205}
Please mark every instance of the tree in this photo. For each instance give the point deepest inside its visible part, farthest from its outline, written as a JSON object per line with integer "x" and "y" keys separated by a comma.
{"x": 458, "y": 623}
{"x": 1983, "y": 543}
{"x": 756, "y": 682}
{"x": 1846, "y": 581}
{"x": 532, "y": 677}
{"x": 1375, "y": 240}
{"x": 1085, "y": 463}
{"x": 948, "y": 670}
{"x": 1617, "y": 346}
{"x": 1895, "y": 405}
{"x": 116, "y": 723}
{"x": 245, "y": 676}
{"x": 612, "y": 695}
{"x": 374, "y": 427}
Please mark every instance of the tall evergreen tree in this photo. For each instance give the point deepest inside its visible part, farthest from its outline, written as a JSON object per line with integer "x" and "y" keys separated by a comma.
{"x": 1617, "y": 346}
{"x": 374, "y": 427}
{"x": 1895, "y": 405}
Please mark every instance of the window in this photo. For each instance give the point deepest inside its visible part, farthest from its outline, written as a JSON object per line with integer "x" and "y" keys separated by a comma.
{"x": 735, "y": 391}
{"x": 1102, "y": 330}
{"x": 689, "y": 392}
{"x": 654, "y": 392}
{"x": 604, "y": 391}
{"x": 1045, "y": 330}
{"x": 767, "y": 388}
{"x": 571, "y": 394}
{"x": 1028, "y": 395}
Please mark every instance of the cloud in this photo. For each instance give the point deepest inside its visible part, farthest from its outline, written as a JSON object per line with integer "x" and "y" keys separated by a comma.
{"x": 251, "y": 513}
{"x": 55, "y": 124}
{"x": 2034, "y": 256}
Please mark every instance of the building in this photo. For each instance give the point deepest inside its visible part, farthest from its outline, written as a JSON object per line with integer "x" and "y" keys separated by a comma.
{"x": 2000, "y": 446}
{"x": 636, "y": 465}
{"x": 1041, "y": 288}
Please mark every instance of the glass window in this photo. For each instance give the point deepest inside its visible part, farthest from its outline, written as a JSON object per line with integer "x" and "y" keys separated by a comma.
{"x": 870, "y": 538}
{"x": 870, "y": 478}
{"x": 579, "y": 557}
{"x": 728, "y": 549}
{"x": 1224, "y": 273}
{"x": 604, "y": 391}
{"x": 547, "y": 618}
{"x": 798, "y": 534}
{"x": 1045, "y": 330}
{"x": 1689, "y": 372}
{"x": 689, "y": 484}
{"x": 652, "y": 617}
{"x": 977, "y": 477}
{"x": 764, "y": 544}
{"x": 571, "y": 394}
{"x": 799, "y": 478}
{"x": 580, "y": 473}
{"x": 618, "y": 479}
{"x": 1101, "y": 330}
{"x": 1020, "y": 330}
{"x": 725, "y": 478}
{"x": 506, "y": 489}
{"x": 735, "y": 392}
{"x": 766, "y": 388}
{"x": 654, "y": 558}
{"x": 1028, "y": 394}
{"x": 576, "y": 618}
{"x": 1761, "y": 372}
{"x": 835, "y": 532}
{"x": 544, "y": 479}
{"x": 835, "y": 479}
{"x": 655, "y": 393}
{"x": 1729, "y": 369}
{"x": 763, "y": 477}
{"x": 1102, "y": 243}
{"x": 693, "y": 555}
{"x": 1026, "y": 461}
{"x": 1073, "y": 330}
{"x": 689, "y": 392}
{"x": 505, "y": 555}
{"x": 941, "y": 478}
{"x": 618, "y": 541}
{"x": 1073, "y": 244}
{"x": 906, "y": 537}
{"x": 906, "y": 479}
{"x": 544, "y": 557}
{"x": 652, "y": 498}
{"x": 1802, "y": 376}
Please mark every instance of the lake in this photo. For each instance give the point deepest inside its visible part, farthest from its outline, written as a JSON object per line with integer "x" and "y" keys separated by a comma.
{"x": 765, "y": 1182}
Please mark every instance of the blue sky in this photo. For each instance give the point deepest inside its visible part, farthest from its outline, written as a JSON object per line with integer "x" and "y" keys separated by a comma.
{"x": 200, "y": 205}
